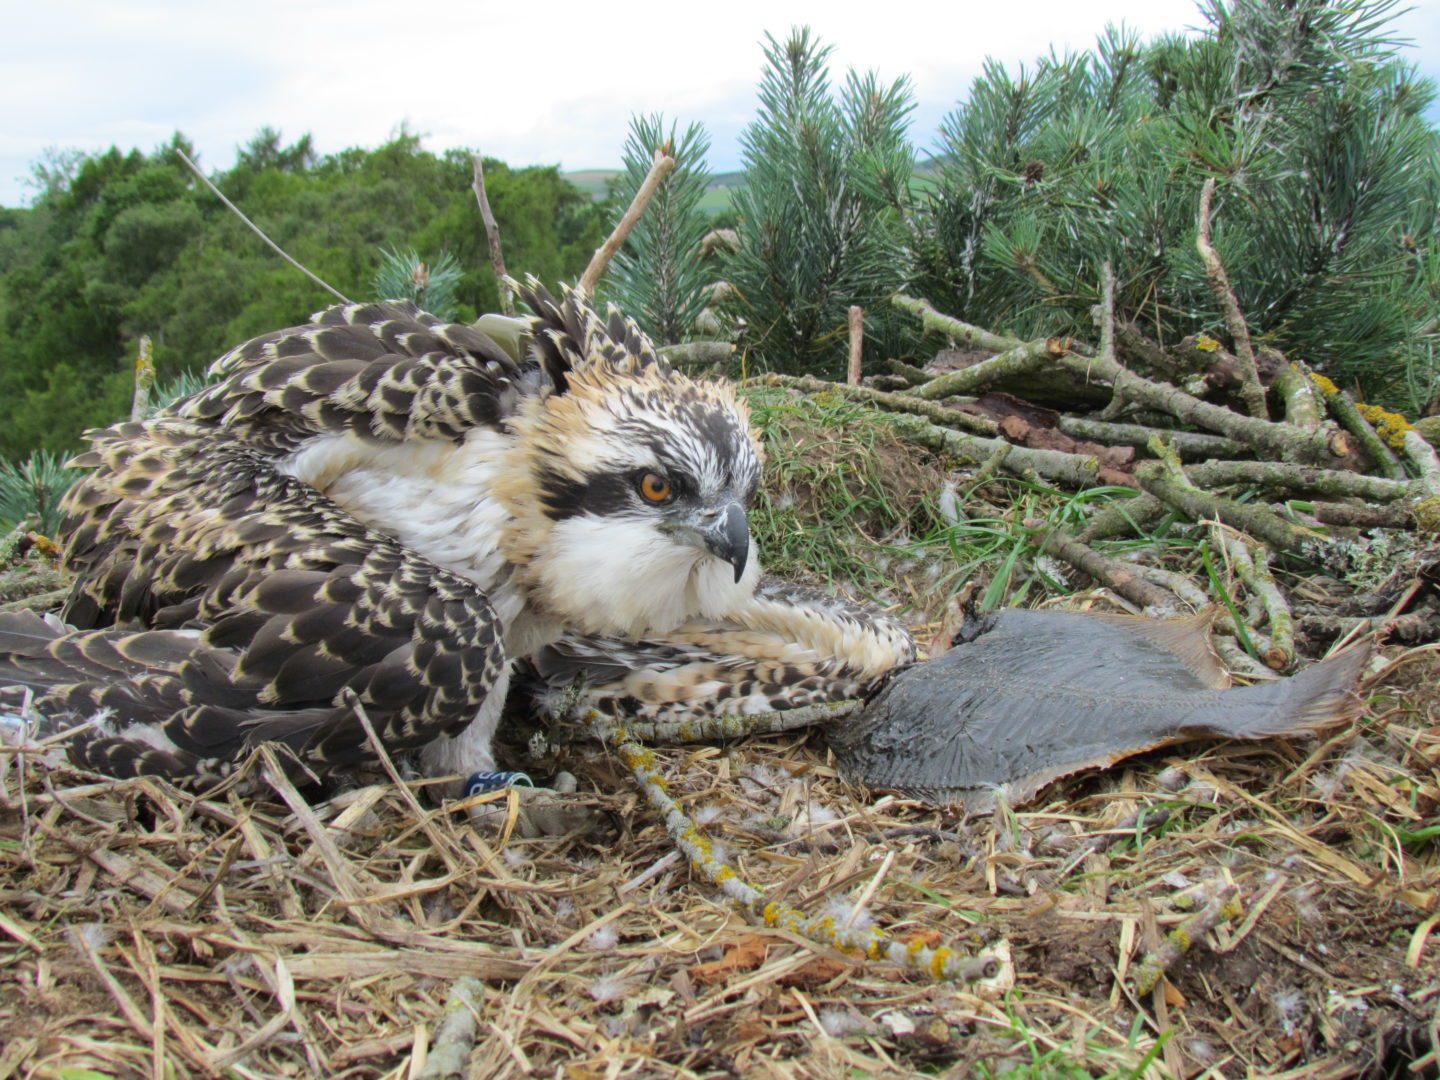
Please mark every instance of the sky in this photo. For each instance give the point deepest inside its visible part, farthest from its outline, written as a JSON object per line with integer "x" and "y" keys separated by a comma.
{"x": 552, "y": 83}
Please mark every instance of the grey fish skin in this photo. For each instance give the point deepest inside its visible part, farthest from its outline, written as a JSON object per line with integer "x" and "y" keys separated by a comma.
{"x": 1026, "y": 697}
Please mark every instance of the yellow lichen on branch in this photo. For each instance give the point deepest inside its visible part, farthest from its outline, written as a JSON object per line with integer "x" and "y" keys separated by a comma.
{"x": 867, "y": 941}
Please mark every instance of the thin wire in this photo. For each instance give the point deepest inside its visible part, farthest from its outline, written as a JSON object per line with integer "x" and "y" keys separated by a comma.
{"x": 258, "y": 231}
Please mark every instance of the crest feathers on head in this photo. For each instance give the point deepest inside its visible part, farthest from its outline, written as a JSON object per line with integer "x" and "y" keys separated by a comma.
{"x": 570, "y": 335}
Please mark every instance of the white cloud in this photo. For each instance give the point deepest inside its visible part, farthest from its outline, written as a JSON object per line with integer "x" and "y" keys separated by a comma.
{"x": 530, "y": 83}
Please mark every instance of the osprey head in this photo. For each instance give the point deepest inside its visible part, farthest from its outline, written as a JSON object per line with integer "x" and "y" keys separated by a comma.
{"x": 628, "y": 486}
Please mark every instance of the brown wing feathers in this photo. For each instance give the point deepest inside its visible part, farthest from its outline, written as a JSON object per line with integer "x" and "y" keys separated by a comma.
{"x": 187, "y": 522}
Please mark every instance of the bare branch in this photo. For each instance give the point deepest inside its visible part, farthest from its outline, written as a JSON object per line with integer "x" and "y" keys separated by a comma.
{"x": 492, "y": 237}
{"x": 1250, "y": 388}
{"x": 601, "y": 259}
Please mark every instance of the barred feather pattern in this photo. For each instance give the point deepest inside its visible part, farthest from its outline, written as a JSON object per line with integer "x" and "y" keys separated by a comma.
{"x": 255, "y": 552}
{"x": 790, "y": 648}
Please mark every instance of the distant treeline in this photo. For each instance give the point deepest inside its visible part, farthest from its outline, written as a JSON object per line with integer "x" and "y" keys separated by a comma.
{"x": 1305, "y": 117}
{"x": 122, "y": 244}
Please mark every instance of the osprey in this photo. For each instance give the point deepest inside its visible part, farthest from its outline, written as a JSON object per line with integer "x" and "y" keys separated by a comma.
{"x": 383, "y": 503}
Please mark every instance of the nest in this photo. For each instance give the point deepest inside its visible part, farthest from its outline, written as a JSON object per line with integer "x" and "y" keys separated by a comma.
{"x": 144, "y": 931}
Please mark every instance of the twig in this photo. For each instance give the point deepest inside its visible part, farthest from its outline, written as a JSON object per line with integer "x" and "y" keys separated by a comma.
{"x": 492, "y": 238}
{"x": 1250, "y": 389}
{"x": 1342, "y": 407}
{"x": 449, "y": 1054}
{"x": 1188, "y": 444}
{"x": 1107, "y": 571}
{"x": 869, "y": 941}
{"x": 144, "y": 379}
{"x": 952, "y": 327}
{"x": 906, "y": 403}
{"x": 1220, "y": 908}
{"x": 1021, "y": 360}
{"x": 857, "y": 344}
{"x": 260, "y": 232}
{"x": 1254, "y": 571}
{"x": 659, "y": 169}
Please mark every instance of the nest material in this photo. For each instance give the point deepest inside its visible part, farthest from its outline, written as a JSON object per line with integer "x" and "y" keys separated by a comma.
{"x": 146, "y": 932}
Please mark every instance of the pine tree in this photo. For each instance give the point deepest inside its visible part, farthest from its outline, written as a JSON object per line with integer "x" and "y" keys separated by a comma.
{"x": 1328, "y": 176}
{"x": 657, "y": 277}
{"x": 821, "y": 214}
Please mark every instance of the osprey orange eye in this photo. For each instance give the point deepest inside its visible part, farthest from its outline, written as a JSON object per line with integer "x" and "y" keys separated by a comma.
{"x": 655, "y": 487}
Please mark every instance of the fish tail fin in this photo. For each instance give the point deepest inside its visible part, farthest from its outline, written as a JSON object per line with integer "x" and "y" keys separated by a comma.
{"x": 1322, "y": 696}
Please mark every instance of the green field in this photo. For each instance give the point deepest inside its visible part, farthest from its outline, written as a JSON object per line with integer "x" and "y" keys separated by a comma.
{"x": 595, "y": 182}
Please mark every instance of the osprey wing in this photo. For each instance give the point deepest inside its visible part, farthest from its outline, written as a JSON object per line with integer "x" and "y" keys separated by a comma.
{"x": 386, "y": 372}
{"x": 288, "y": 601}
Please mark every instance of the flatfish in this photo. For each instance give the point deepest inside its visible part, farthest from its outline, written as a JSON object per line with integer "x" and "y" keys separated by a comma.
{"x": 1025, "y": 697}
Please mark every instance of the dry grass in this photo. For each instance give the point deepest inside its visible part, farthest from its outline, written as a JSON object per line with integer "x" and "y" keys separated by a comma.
{"x": 146, "y": 932}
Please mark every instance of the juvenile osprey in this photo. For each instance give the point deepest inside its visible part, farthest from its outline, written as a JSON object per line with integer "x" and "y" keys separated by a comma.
{"x": 383, "y": 502}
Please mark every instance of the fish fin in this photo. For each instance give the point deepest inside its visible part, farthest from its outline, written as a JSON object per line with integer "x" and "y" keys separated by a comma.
{"x": 1322, "y": 696}
{"x": 1187, "y": 639}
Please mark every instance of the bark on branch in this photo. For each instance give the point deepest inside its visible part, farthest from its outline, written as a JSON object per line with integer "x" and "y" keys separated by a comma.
{"x": 492, "y": 238}
{"x": 1262, "y": 436}
{"x": 659, "y": 169}
{"x": 903, "y": 403}
{"x": 1020, "y": 360}
{"x": 1250, "y": 389}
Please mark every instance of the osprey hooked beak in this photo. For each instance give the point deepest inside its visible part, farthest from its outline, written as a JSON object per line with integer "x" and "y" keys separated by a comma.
{"x": 722, "y": 531}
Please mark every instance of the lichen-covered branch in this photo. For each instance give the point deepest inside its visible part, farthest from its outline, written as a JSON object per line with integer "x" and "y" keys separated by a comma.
{"x": 870, "y": 942}
{"x": 1188, "y": 444}
{"x": 1221, "y": 907}
{"x": 909, "y": 372}
{"x": 708, "y": 728}
{"x": 1254, "y": 570}
{"x": 1199, "y": 505}
{"x": 1342, "y": 407}
{"x": 1122, "y": 517}
{"x": 1270, "y": 474}
{"x": 1396, "y": 515}
{"x": 1421, "y": 455}
{"x": 698, "y": 354}
{"x": 906, "y": 403}
{"x": 1298, "y": 397}
{"x": 1020, "y": 360}
{"x": 449, "y": 1055}
{"x": 962, "y": 332}
{"x": 1115, "y": 575}
{"x": 1056, "y": 466}
{"x": 1251, "y": 391}
{"x": 1266, "y": 438}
